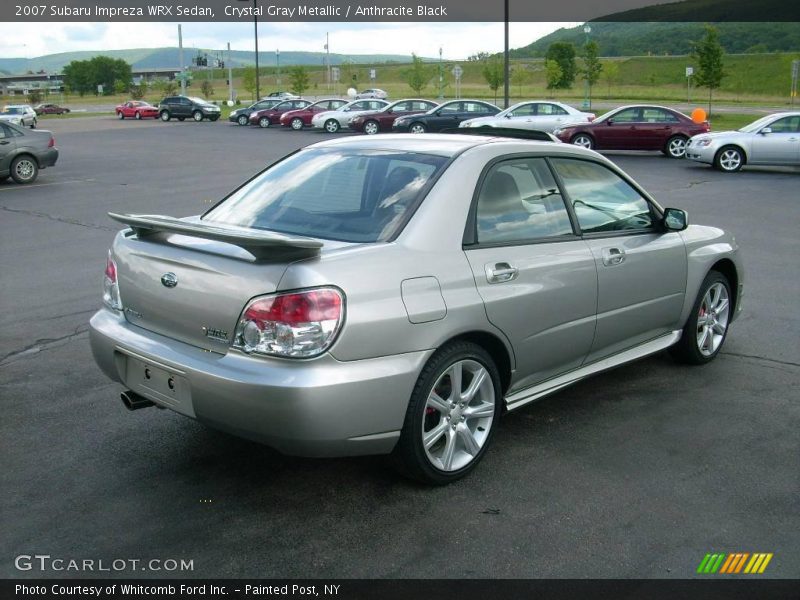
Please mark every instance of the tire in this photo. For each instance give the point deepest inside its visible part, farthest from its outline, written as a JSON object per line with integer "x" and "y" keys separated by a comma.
{"x": 332, "y": 126}
{"x": 676, "y": 146}
{"x": 24, "y": 169}
{"x": 4, "y": 177}
{"x": 297, "y": 123}
{"x": 197, "y": 116}
{"x": 584, "y": 140}
{"x": 242, "y": 120}
{"x": 165, "y": 116}
{"x": 214, "y": 118}
{"x": 456, "y": 442}
{"x": 137, "y": 115}
{"x": 120, "y": 116}
{"x": 181, "y": 119}
{"x": 707, "y": 328}
{"x": 729, "y": 159}
{"x": 417, "y": 128}
{"x": 372, "y": 127}
{"x": 33, "y": 124}
{"x": 263, "y": 122}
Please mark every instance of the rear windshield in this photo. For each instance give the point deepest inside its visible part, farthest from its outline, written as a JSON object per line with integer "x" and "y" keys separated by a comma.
{"x": 337, "y": 194}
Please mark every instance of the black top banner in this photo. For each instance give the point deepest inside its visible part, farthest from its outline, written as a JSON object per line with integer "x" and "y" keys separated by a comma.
{"x": 397, "y": 10}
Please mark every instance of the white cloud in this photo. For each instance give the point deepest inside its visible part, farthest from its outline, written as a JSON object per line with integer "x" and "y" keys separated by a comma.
{"x": 458, "y": 40}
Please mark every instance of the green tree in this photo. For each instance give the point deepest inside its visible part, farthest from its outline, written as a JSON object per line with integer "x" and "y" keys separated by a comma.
{"x": 34, "y": 97}
{"x": 591, "y": 69}
{"x": 417, "y": 75}
{"x": 83, "y": 76}
{"x": 611, "y": 75}
{"x": 166, "y": 87}
{"x": 520, "y": 76}
{"x": 207, "y": 89}
{"x": 249, "y": 81}
{"x": 136, "y": 92}
{"x": 564, "y": 54}
{"x": 299, "y": 80}
{"x": 709, "y": 53}
{"x": 494, "y": 74}
{"x": 78, "y": 77}
{"x": 553, "y": 74}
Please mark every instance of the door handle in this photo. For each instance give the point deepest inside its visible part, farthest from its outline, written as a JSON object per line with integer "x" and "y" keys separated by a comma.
{"x": 501, "y": 272}
{"x": 613, "y": 256}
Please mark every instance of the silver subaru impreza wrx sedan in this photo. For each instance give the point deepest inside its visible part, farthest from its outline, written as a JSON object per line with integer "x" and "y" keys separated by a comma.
{"x": 396, "y": 294}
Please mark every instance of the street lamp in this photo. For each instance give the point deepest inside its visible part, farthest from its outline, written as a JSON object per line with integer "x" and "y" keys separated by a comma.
{"x": 441, "y": 76}
{"x": 278, "y": 62}
{"x": 586, "y": 102}
{"x": 255, "y": 29}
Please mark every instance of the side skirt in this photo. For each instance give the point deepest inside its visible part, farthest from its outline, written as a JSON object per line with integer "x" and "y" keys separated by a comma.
{"x": 545, "y": 388}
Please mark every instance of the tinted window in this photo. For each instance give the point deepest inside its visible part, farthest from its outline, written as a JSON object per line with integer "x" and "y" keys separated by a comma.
{"x": 519, "y": 201}
{"x": 657, "y": 115}
{"x": 340, "y": 194}
{"x": 629, "y": 115}
{"x": 786, "y": 125}
{"x": 526, "y": 110}
{"x": 602, "y": 200}
{"x": 402, "y": 106}
{"x": 475, "y": 107}
{"x": 451, "y": 108}
{"x": 4, "y": 132}
{"x": 376, "y": 105}
{"x": 334, "y": 104}
{"x": 550, "y": 109}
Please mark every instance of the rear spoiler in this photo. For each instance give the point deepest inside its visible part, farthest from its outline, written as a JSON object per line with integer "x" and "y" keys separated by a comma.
{"x": 259, "y": 243}
{"x": 506, "y": 132}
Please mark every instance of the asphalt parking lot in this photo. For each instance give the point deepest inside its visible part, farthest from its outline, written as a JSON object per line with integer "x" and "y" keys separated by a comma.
{"x": 635, "y": 473}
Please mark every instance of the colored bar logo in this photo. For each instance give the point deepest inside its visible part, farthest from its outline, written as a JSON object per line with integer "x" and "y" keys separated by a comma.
{"x": 734, "y": 563}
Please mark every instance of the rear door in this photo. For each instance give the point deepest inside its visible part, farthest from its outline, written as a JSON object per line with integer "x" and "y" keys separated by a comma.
{"x": 550, "y": 116}
{"x": 641, "y": 269}
{"x": 537, "y": 278}
{"x": 656, "y": 128}
{"x": 780, "y": 146}
{"x": 7, "y": 147}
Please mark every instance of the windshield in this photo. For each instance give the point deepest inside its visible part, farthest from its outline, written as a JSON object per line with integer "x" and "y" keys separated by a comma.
{"x": 12, "y": 110}
{"x": 198, "y": 100}
{"x": 338, "y": 194}
{"x": 758, "y": 125}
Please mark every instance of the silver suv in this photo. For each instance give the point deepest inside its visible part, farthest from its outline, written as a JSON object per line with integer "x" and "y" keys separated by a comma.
{"x": 397, "y": 294}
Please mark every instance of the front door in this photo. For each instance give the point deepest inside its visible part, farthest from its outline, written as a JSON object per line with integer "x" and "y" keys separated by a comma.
{"x": 537, "y": 279}
{"x": 781, "y": 146}
{"x": 641, "y": 269}
{"x": 620, "y": 131}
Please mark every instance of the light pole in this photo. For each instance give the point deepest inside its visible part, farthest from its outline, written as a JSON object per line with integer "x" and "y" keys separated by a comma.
{"x": 255, "y": 33}
{"x": 278, "y": 62}
{"x": 586, "y": 102}
{"x": 441, "y": 76}
{"x": 506, "y": 65}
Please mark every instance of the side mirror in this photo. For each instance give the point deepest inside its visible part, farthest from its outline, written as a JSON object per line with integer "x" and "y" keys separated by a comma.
{"x": 438, "y": 113}
{"x": 509, "y": 115}
{"x": 675, "y": 219}
{"x": 766, "y": 130}
{"x": 609, "y": 121}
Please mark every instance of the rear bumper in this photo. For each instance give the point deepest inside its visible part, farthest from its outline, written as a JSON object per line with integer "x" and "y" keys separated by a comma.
{"x": 320, "y": 407}
{"x": 47, "y": 158}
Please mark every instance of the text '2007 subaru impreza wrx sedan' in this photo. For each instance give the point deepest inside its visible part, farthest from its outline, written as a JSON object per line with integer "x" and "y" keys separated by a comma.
{"x": 396, "y": 294}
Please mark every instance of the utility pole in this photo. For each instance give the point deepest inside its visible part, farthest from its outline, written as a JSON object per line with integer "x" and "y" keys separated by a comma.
{"x": 180, "y": 60}
{"x": 258, "y": 78}
{"x": 441, "y": 76}
{"x": 328, "y": 58}
{"x": 230, "y": 75}
{"x": 505, "y": 59}
{"x": 278, "y": 62}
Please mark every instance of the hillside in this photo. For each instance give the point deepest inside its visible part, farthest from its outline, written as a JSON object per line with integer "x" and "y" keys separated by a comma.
{"x": 641, "y": 39}
{"x": 151, "y": 58}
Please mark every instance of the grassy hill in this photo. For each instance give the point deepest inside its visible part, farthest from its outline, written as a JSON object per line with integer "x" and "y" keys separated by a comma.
{"x": 641, "y": 39}
{"x": 149, "y": 58}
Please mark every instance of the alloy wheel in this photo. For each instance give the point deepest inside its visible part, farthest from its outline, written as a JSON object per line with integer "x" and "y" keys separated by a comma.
{"x": 371, "y": 128}
{"x": 730, "y": 159}
{"x": 297, "y": 124}
{"x": 584, "y": 141}
{"x": 712, "y": 319}
{"x": 677, "y": 147}
{"x": 332, "y": 126}
{"x": 25, "y": 169}
{"x": 417, "y": 128}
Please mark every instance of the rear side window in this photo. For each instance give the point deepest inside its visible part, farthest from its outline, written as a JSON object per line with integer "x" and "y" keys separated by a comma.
{"x": 519, "y": 201}
{"x": 339, "y": 194}
{"x": 550, "y": 109}
{"x": 602, "y": 200}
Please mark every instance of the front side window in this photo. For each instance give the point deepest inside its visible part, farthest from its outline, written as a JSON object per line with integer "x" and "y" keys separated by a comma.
{"x": 526, "y": 110}
{"x": 401, "y": 107}
{"x": 519, "y": 201}
{"x": 629, "y": 115}
{"x": 786, "y": 125}
{"x": 602, "y": 200}
{"x": 451, "y": 108}
{"x": 341, "y": 194}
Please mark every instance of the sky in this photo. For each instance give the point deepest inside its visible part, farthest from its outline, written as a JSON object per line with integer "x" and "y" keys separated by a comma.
{"x": 457, "y": 40}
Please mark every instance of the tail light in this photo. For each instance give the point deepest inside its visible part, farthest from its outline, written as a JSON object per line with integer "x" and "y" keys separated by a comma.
{"x": 294, "y": 325}
{"x": 52, "y": 142}
{"x": 111, "y": 297}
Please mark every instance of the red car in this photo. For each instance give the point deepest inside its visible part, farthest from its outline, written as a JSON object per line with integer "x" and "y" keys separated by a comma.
{"x": 297, "y": 119}
{"x": 272, "y": 116}
{"x": 50, "y": 109}
{"x": 381, "y": 120}
{"x": 640, "y": 127}
{"x": 136, "y": 109}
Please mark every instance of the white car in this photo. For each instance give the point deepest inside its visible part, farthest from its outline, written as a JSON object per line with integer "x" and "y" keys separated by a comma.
{"x": 372, "y": 93}
{"x": 542, "y": 115}
{"x": 281, "y": 96}
{"x": 19, "y": 114}
{"x": 333, "y": 120}
{"x": 771, "y": 140}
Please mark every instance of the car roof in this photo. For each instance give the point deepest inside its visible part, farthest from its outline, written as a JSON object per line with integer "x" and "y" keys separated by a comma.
{"x": 446, "y": 144}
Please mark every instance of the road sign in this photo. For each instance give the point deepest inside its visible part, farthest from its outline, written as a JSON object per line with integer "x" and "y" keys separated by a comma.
{"x": 795, "y": 67}
{"x": 372, "y": 74}
{"x": 458, "y": 72}
{"x": 689, "y": 71}
{"x": 335, "y": 73}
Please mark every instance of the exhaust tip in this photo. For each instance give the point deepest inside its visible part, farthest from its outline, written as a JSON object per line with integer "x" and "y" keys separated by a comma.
{"x": 134, "y": 401}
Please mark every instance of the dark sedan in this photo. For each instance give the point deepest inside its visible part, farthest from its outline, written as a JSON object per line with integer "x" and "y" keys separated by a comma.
{"x": 50, "y": 109}
{"x": 272, "y": 116}
{"x": 24, "y": 152}
{"x": 382, "y": 120}
{"x": 297, "y": 119}
{"x": 242, "y": 115}
{"x": 641, "y": 127}
{"x": 445, "y": 116}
